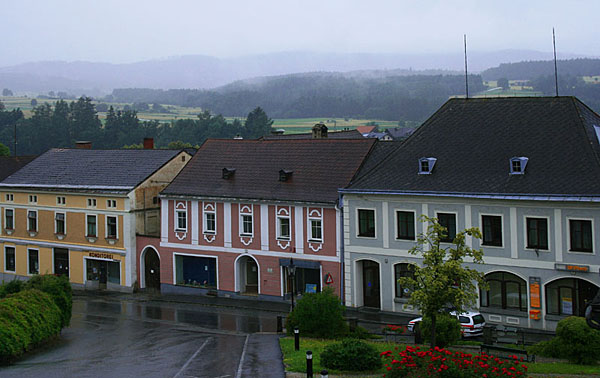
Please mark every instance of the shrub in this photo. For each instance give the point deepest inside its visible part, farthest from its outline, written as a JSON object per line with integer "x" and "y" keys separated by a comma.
{"x": 574, "y": 340}
{"x": 318, "y": 315}
{"x": 27, "y": 318}
{"x": 11, "y": 287}
{"x": 447, "y": 330}
{"x": 439, "y": 362}
{"x": 351, "y": 355}
{"x": 59, "y": 289}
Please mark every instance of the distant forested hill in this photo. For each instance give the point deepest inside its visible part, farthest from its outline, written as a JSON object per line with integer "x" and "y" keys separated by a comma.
{"x": 364, "y": 95}
{"x": 533, "y": 69}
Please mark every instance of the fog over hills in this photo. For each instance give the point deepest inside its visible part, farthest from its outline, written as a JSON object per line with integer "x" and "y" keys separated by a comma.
{"x": 197, "y": 71}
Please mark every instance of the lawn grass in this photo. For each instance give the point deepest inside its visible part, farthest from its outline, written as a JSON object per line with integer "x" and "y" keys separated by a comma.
{"x": 295, "y": 361}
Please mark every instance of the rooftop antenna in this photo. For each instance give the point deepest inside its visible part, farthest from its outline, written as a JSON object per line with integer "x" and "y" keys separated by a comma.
{"x": 466, "y": 71}
{"x": 555, "y": 69}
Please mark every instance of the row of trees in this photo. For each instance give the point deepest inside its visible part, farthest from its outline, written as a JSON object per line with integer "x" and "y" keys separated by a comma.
{"x": 64, "y": 123}
{"x": 411, "y": 98}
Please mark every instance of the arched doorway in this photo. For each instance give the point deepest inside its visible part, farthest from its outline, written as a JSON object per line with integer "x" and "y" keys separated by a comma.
{"x": 370, "y": 284}
{"x": 247, "y": 275}
{"x": 151, "y": 270}
{"x": 569, "y": 296}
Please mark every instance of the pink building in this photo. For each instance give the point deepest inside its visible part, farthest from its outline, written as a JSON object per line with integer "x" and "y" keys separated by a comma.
{"x": 241, "y": 210}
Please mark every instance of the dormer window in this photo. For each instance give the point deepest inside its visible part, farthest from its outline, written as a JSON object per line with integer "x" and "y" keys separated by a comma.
{"x": 228, "y": 173}
{"x": 517, "y": 165}
{"x": 426, "y": 165}
{"x": 285, "y": 175}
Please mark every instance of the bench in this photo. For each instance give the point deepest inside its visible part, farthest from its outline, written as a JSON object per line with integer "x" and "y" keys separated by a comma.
{"x": 505, "y": 352}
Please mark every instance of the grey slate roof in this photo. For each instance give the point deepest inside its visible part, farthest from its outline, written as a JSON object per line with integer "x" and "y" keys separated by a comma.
{"x": 11, "y": 164}
{"x": 474, "y": 139}
{"x": 90, "y": 169}
{"x": 320, "y": 167}
{"x": 344, "y": 134}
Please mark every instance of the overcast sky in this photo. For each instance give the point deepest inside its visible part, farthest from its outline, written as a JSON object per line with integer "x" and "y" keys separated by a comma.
{"x": 126, "y": 30}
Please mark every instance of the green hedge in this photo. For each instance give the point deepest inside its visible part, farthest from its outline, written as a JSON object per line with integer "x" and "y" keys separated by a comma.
{"x": 27, "y": 318}
{"x": 59, "y": 288}
{"x": 351, "y": 355}
{"x": 318, "y": 315}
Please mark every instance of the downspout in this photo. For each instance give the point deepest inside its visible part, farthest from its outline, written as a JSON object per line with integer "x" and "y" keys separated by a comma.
{"x": 342, "y": 276}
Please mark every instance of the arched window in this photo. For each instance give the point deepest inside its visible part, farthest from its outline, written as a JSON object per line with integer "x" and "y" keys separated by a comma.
{"x": 403, "y": 270}
{"x": 506, "y": 291}
{"x": 569, "y": 296}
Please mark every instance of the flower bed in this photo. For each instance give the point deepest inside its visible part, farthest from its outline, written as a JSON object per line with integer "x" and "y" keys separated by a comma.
{"x": 439, "y": 362}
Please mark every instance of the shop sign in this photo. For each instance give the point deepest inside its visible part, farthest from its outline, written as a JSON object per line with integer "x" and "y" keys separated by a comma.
{"x": 534, "y": 291}
{"x": 100, "y": 255}
{"x": 572, "y": 268}
{"x": 328, "y": 279}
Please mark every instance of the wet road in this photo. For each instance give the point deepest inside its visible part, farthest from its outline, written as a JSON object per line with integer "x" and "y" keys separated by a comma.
{"x": 112, "y": 337}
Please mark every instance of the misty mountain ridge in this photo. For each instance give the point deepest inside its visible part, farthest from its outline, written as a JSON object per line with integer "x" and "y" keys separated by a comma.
{"x": 205, "y": 72}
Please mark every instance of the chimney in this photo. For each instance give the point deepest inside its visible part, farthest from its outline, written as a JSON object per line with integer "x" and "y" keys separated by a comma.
{"x": 319, "y": 131}
{"x": 83, "y": 145}
{"x": 148, "y": 143}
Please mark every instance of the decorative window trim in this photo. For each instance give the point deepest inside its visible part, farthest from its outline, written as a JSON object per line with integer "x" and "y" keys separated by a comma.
{"x": 37, "y": 222}
{"x": 570, "y": 247}
{"x": 60, "y": 236}
{"x": 91, "y": 238}
{"x": 397, "y": 237}
{"x": 248, "y": 212}
{"x": 33, "y": 199}
{"x": 437, "y": 215}
{"x": 315, "y": 215}
{"x": 14, "y": 248}
{"x": 116, "y": 236}
{"x": 9, "y": 231}
{"x": 502, "y": 231}
{"x": 9, "y": 198}
{"x": 374, "y": 223}
{"x": 526, "y": 238}
{"x": 522, "y": 163}
{"x": 281, "y": 214}
{"x": 178, "y": 228}
{"x": 111, "y": 204}
{"x": 426, "y": 165}
{"x": 208, "y": 208}
{"x": 91, "y": 203}
{"x": 61, "y": 201}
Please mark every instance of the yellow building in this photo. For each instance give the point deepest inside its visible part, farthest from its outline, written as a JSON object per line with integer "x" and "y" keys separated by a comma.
{"x": 77, "y": 212}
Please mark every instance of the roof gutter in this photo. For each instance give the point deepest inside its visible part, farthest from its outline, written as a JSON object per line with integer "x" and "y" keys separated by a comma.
{"x": 45, "y": 186}
{"x": 502, "y": 196}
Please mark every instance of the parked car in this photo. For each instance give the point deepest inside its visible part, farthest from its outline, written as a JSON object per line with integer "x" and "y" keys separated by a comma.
{"x": 472, "y": 323}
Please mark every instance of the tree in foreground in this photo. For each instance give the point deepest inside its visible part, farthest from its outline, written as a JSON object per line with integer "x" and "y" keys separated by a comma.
{"x": 444, "y": 281}
{"x": 4, "y": 151}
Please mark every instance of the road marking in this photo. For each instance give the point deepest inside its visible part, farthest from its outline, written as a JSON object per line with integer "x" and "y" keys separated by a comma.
{"x": 191, "y": 358}
{"x": 239, "y": 370}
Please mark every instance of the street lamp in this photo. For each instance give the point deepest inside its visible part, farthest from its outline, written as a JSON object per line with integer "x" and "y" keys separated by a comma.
{"x": 292, "y": 271}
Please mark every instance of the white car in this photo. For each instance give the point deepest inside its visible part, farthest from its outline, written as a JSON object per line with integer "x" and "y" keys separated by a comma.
{"x": 472, "y": 323}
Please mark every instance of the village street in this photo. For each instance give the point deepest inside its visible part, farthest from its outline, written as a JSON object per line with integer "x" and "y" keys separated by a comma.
{"x": 130, "y": 336}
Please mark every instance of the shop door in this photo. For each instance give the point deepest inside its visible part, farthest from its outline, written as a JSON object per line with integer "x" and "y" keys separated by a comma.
{"x": 61, "y": 261}
{"x": 151, "y": 270}
{"x": 251, "y": 277}
{"x": 371, "y": 284}
{"x": 97, "y": 271}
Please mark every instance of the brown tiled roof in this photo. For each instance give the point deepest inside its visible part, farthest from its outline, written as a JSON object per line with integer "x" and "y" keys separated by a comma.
{"x": 320, "y": 167}
{"x": 11, "y": 164}
{"x": 365, "y": 129}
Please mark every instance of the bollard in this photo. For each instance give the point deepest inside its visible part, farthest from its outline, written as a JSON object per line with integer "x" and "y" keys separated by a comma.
{"x": 279, "y": 324}
{"x": 309, "y": 367}
{"x": 296, "y": 339}
{"x": 324, "y": 374}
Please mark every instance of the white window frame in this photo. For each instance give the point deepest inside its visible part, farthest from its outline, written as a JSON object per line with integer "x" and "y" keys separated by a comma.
{"x": 502, "y": 230}
{"x": 116, "y": 237}
{"x": 569, "y": 219}
{"x": 357, "y": 223}
{"x": 437, "y": 212}
{"x": 205, "y": 211}
{"x": 430, "y": 164}
{"x": 547, "y": 218}
{"x": 9, "y": 197}
{"x": 61, "y": 200}
{"x": 278, "y": 233}
{"x": 91, "y": 203}
{"x": 13, "y": 218}
{"x": 37, "y": 221}
{"x": 64, "y": 220}
{"x": 311, "y": 218}
{"x": 241, "y": 220}
{"x": 38, "y": 255}
{"x": 523, "y": 163}
{"x": 396, "y": 236}
{"x": 86, "y": 225}
{"x": 111, "y": 204}
{"x": 184, "y": 212}
{"x": 33, "y": 198}
{"x": 5, "y": 259}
